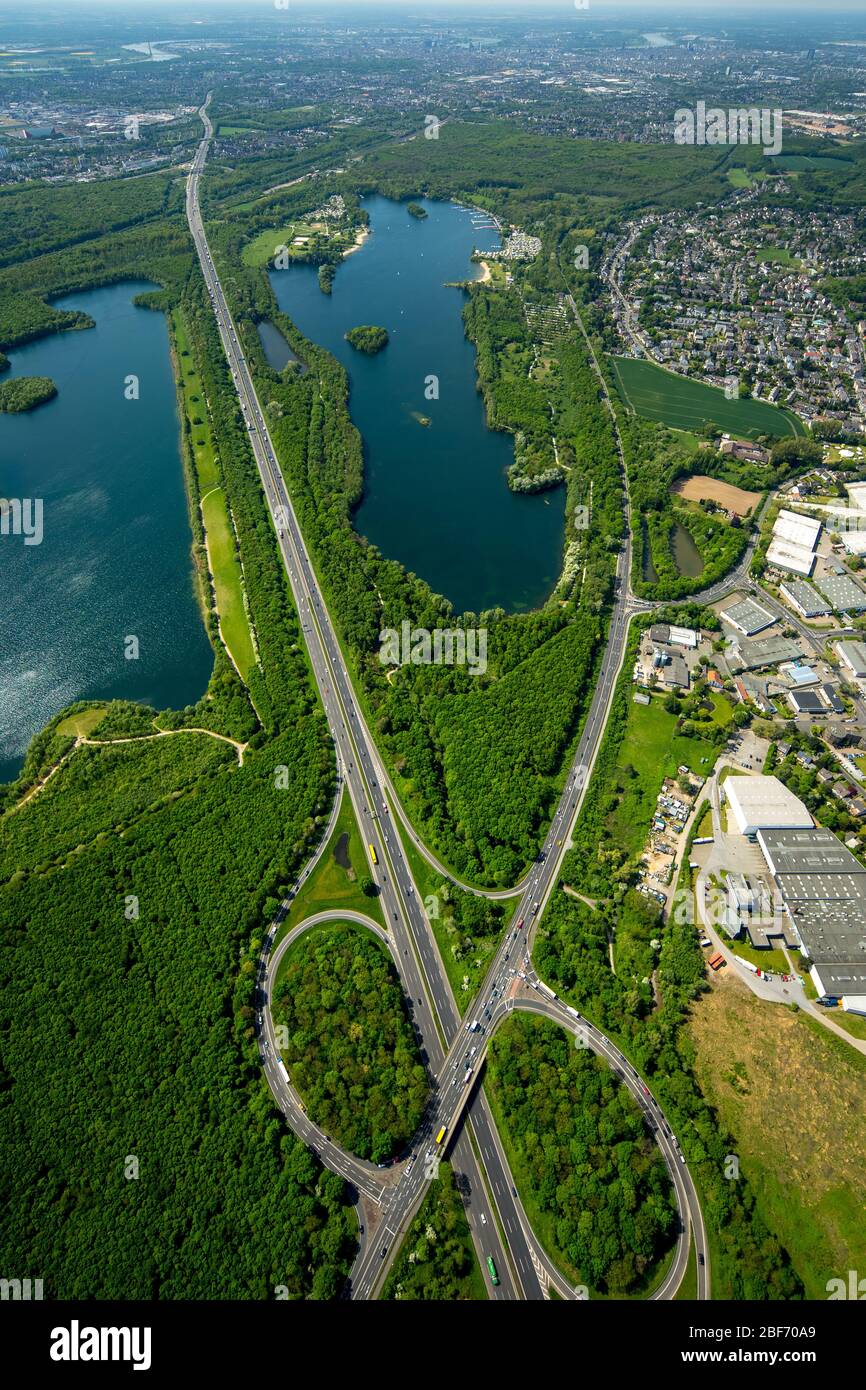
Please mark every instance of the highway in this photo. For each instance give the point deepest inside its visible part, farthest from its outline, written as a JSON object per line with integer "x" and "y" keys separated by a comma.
{"x": 445, "y": 1042}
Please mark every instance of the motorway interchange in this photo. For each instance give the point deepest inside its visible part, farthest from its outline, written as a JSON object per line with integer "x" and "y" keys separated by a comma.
{"x": 388, "y": 1199}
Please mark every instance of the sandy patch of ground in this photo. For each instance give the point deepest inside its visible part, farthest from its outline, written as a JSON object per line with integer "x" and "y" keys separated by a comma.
{"x": 700, "y": 488}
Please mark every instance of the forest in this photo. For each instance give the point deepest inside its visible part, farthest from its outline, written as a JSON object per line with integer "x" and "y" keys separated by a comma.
{"x": 572, "y": 954}
{"x": 367, "y": 338}
{"x": 25, "y": 393}
{"x": 437, "y": 1263}
{"x": 582, "y": 1156}
{"x": 351, "y": 1050}
{"x": 145, "y": 1156}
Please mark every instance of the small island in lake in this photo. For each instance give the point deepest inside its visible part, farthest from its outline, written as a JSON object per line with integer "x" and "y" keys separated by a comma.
{"x": 25, "y": 393}
{"x": 416, "y": 210}
{"x": 367, "y": 338}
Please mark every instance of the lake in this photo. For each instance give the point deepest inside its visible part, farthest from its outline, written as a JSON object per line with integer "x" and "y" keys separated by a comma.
{"x": 115, "y": 557}
{"x": 435, "y": 497}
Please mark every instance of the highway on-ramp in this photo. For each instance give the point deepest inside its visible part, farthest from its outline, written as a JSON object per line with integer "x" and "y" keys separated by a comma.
{"x": 444, "y": 1040}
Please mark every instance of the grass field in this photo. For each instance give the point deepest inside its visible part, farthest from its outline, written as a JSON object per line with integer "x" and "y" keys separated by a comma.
{"x": 336, "y": 885}
{"x": 82, "y": 725}
{"x": 222, "y": 553}
{"x": 655, "y": 750}
{"x": 795, "y": 1098}
{"x": 684, "y": 404}
{"x": 778, "y": 256}
{"x": 744, "y": 178}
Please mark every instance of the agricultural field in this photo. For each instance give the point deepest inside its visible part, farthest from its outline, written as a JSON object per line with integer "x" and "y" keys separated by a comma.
{"x": 699, "y": 488}
{"x": 684, "y": 404}
{"x": 796, "y": 1098}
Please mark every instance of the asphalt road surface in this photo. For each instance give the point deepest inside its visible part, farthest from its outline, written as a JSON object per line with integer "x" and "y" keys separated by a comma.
{"x": 447, "y": 1043}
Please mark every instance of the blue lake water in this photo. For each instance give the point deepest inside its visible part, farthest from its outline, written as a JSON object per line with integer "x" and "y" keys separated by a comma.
{"x": 115, "y": 556}
{"x": 436, "y": 497}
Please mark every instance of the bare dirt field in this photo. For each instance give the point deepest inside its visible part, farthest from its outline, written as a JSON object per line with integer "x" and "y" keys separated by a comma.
{"x": 700, "y": 488}
{"x": 794, "y": 1097}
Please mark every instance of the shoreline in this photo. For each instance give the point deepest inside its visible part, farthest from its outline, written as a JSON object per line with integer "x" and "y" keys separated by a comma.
{"x": 359, "y": 242}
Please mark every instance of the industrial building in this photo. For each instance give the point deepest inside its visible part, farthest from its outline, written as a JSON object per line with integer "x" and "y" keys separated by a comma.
{"x": 806, "y": 702}
{"x": 844, "y": 594}
{"x": 673, "y": 636}
{"x": 762, "y": 803}
{"x": 747, "y": 617}
{"x": 750, "y": 654}
{"x": 793, "y": 543}
{"x": 805, "y": 598}
{"x": 852, "y": 658}
{"x": 823, "y": 889}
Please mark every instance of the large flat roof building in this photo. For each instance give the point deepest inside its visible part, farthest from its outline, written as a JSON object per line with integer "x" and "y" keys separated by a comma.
{"x": 793, "y": 529}
{"x": 843, "y": 593}
{"x": 747, "y": 617}
{"x": 750, "y": 654}
{"x": 823, "y": 889}
{"x": 785, "y": 555}
{"x": 805, "y": 598}
{"x": 763, "y": 803}
{"x": 673, "y": 636}
{"x": 852, "y": 656}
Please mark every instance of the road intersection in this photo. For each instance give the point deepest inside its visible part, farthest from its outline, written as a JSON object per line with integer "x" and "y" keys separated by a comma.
{"x": 450, "y": 1049}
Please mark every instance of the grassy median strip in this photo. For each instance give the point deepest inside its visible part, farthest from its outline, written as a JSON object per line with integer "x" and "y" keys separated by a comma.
{"x": 336, "y": 882}
{"x": 222, "y": 552}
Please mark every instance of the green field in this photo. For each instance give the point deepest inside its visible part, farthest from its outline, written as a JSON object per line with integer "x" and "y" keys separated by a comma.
{"x": 744, "y": 178}
{"x": 684, "y": 404}
{"x": 654, "y": 749}
{"x": 779, "y": 256}
{"x": 332, "y": 884}
{"x": 222, "y": 552}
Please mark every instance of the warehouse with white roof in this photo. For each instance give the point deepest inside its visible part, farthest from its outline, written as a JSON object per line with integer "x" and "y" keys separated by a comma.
{"x": 794, "y": 541}
{"x": 763, "y": 803}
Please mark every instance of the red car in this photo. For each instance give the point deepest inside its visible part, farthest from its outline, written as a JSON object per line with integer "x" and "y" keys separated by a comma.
{"x": 519, "y": 924}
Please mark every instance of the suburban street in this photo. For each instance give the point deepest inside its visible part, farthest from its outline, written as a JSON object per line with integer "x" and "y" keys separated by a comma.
{"x": 450, "y": 1049}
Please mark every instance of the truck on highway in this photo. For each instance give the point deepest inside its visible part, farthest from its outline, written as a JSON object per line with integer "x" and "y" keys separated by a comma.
{"x": 545, "y": 989}
{"x": 441, "y": 1135}
{"x": 372, "y": 850}
{"x": 283, "y": 1073}
{"x": 491, "y": 1270}
{"x": 468, "y": 1077}
{"x": 573, "y": 1012}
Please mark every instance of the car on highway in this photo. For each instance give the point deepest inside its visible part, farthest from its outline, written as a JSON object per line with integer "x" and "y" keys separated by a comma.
{"x": 520, "y": 924}
{"x": 483, "y": 1219}
{"x": 700, "y": 1259}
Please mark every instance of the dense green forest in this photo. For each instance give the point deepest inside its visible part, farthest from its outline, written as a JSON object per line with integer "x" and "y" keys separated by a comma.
{"x": 367, "y": 338}
{"x": 25, "y": 393}
{"x": 437, "y": 1260}
{"x": 572, "y": 953}
{"x": 477, "y": 759}
{"x": 351, "y": 1050}
{"x": 134, "y": 889}
{"x": 39, "y": 218}
{"x": 582, "y": 1155}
